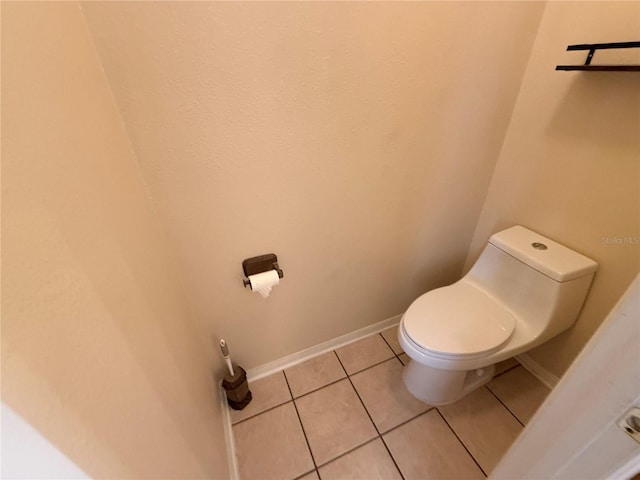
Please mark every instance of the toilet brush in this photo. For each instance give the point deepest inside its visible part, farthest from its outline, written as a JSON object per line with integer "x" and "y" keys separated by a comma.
{"x": 235, "y": 382}
{"x": 225, "y": 355}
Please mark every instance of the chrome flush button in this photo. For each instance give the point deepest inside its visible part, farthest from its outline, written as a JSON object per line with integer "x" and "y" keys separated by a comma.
{"x": 630, "y": 423}
{"x": 539, "y": 246}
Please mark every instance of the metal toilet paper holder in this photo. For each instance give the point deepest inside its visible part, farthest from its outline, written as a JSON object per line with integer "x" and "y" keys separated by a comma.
{"x": 260, "y": 264}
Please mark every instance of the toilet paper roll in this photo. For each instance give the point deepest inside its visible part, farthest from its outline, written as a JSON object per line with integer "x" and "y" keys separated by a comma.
{"x": 264, "y": 282}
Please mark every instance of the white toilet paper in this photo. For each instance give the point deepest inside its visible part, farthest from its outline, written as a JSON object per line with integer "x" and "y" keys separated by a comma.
{"x": 264, "y": 282}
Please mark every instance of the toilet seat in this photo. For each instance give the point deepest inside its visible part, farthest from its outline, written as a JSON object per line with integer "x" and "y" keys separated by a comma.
{"x": 458, "y": 321}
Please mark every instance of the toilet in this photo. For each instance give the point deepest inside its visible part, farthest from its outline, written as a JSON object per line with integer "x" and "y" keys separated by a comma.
{"x": 523, "y": 290}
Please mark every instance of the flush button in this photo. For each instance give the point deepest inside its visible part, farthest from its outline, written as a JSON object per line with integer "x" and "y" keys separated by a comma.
{"x": 539, "y": 246}
{"x": 630, "y": 423}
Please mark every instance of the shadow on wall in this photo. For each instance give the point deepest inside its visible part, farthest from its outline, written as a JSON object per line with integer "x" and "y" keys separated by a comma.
{"x": 435, "y": 275}
{"x": 592, "y": 100}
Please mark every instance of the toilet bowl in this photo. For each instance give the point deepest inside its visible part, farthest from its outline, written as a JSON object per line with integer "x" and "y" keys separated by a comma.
{"x": 523, "y": 290}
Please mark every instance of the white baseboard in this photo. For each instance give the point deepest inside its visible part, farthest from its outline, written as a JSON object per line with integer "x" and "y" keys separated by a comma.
{"x": 232, "y": 460}
{"x": 538, "y": 371}
{"x": 303, "y": 355}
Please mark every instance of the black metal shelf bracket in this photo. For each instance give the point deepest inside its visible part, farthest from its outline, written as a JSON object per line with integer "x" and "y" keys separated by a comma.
{"x": 592, "y": 47}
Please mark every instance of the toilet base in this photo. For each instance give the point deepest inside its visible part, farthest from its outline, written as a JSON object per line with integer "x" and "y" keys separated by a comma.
{"x": 440, "y": 387}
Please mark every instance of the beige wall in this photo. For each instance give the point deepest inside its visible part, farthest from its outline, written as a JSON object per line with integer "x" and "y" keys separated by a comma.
{"x": 354, "y": 139}
{"x": 99, "y": 350}
{"x": 570, "y": 164}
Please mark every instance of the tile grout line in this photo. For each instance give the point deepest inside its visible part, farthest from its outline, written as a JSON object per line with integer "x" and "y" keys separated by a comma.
{"x": 461, "y": 442}
{"x": 370, "y": 366}
{"x": 506, "y": 371}
{"x": 319, "y": 388}
{"x": 315, "y": 389}
{"x": 382, "y": 440}
{"x": 369, "y": 415}
{"x": 342, "y": 378}
{"x": 310, "y": 391}
{"x": 306, "y": 473}
{"x": 347, "y": 375}
{"x": 389, "y": 345}
{"x": 504, "y": 405}
{"x": 353, "y": 449}
{"x": 304, "y": 433}
{"x": 260, "y": 413}
{"x": 410, "y": 419}
{"x": 339, "y": 379}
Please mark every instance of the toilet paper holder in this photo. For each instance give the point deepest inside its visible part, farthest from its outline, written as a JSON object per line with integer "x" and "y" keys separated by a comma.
{"x": 259, "y": 264}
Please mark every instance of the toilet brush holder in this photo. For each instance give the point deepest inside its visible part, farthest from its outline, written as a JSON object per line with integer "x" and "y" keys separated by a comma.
{"x": 236, "y": 388}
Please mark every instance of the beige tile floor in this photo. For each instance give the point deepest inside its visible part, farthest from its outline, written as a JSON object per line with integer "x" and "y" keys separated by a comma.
{"x": 347, "y": 415}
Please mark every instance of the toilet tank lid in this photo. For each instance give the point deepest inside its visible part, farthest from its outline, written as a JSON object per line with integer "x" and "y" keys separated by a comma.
{"x": 556, "y": 261}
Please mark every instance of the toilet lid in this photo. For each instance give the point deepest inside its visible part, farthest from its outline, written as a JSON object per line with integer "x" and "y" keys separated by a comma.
{"x": 458, "y": 320}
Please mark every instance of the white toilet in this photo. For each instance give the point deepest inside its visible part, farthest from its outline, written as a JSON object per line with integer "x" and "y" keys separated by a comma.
{"x": 523, "y": 290}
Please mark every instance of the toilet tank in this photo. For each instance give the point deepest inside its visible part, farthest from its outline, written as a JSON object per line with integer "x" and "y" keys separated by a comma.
{"x": 544, "y": 284}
